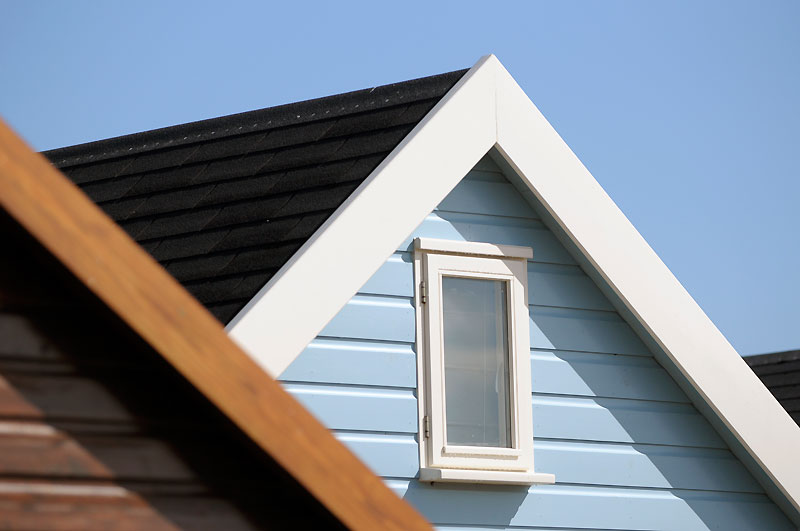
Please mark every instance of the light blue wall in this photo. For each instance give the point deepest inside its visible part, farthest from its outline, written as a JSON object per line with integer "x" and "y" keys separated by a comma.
{"x": 628, "y": 449}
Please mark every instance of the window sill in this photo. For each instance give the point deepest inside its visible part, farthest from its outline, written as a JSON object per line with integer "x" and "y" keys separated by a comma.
{"x": 497, "y": 477}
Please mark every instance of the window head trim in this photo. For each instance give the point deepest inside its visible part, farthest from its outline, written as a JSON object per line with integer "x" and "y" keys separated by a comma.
{"x": 434, "y": 245}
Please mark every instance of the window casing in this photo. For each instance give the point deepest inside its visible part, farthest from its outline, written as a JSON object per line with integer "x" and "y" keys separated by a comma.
{"x": 474, "y": 363}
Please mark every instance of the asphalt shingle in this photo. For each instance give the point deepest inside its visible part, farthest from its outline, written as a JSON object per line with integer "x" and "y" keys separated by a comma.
{"x": 224, "y": 203}
{"x": 780, "y": 372}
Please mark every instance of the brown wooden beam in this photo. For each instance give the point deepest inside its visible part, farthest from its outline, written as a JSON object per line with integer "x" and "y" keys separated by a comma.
{"x": 102, "y": 256}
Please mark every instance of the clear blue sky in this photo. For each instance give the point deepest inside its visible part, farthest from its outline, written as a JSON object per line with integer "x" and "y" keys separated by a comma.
{"x": 687, "y": 112}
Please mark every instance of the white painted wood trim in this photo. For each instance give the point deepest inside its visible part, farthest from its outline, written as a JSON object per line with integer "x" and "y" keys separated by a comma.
{"x": 473, "y": 248}
{"x": 431, "y": 267}
{"x": 487, "y": 108}
{"x": 622, "y": 257}
{"x": 485, "y": 476}
{"x": 297, "y": 303}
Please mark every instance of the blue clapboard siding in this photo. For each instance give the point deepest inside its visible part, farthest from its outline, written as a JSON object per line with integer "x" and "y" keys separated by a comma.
{"x": 580, "y": 507}
{"x": 642, "y": 465}
{"x": 602, "y": 375}
{"x": 354, "y": 408}
{"x": 505, "y": 231}
{"x": 554, "y": 416}
{"x": 620, "y": 420}
{"x": 355, "y": 362}
{"x": 387, "y": 364}
{"x": 636, "y": 465}
{"x": 628, "y": 449}
{"x": 556, "y": 285}
{"x": 392, "y": 319}
{"x": 481, "y": 197}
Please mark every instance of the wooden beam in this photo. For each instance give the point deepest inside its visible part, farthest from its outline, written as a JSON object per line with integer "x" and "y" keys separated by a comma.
{"x": 102, "y": 256}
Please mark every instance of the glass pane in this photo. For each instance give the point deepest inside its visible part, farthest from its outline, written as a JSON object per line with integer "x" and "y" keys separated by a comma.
{"x": 476, "y": 362}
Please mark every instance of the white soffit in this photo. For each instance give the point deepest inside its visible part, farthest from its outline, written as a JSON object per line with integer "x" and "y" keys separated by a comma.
{"x": 486, "y": 109}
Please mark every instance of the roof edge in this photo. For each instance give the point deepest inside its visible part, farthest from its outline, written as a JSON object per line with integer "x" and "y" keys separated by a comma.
{"x": 772, "y": 358}
{"x": 132, "y": 285}
{"x": 261, "y": 321}
{"x": 247, "y": 122}
{"x": 486, "y": 109}
{"x": 662, "y": 307}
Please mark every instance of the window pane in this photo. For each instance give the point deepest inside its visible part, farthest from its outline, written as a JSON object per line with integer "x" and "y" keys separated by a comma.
{"x": 476, "y": 362}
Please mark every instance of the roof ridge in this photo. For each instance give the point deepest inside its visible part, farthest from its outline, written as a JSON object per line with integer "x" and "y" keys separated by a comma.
{"x": 772, "y": 357}
{"x": 254, "y": 121}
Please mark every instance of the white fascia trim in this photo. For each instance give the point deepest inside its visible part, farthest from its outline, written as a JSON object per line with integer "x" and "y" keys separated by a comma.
{"x": 487, "y": 108}
{"x": 648, "y": 289}
{"x": 473, "y": 248}
{"x": 308, "y": 291}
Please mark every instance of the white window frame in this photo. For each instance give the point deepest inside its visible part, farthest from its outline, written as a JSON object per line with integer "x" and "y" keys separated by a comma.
{"x": 440, "y": 461}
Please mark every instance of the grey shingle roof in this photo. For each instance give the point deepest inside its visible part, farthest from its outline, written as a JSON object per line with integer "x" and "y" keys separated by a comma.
{"x": 222, "y": 204}
{"x": 780, "y": 372}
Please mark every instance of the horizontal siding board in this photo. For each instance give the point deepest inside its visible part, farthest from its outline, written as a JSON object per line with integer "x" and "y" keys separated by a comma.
{"x": 392, "y": 319}
{"x": 355, "y": 362}
{"x": 646, "y": 466}
{"x": 504, "y": 231}
{"x": 589, "y": 419}
{"x": 563, "y": 286}
{"x": 590, "y": 331}
{"x": 602, "y": 375}
{"x": 387, "y": 455}
{"x": 58, "y": 510}
{"x": 490, "y": 198}
{"x": 56, "y": 455}
{"x": 395, "y": 277}
{"x": 49, "y": 457}
{"x": 91, "y": 508}
{"x": 548, "y": 284}
{"x": 374, "y": 363}
{"x": 379, "y": 318}
{"x": 367, "y": 409}
{"x": 591, "y": 507}
{"x": 60, "y": 397}
{"x": 624, "y": 421}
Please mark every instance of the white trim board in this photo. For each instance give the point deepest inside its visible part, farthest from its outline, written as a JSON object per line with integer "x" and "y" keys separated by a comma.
{"x": 473, "y": 248}
{"x": 486, "y": 109}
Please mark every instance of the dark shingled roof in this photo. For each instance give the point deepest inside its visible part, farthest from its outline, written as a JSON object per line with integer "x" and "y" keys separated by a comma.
{"x": 780, "y": 372}
{"x": 222, "y": 204}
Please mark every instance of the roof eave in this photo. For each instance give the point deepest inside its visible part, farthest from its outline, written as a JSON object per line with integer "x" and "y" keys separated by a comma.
{"x": 132, "y": 285}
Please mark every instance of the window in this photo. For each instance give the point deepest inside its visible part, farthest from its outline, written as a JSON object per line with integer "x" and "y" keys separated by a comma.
{"x": 474, "y": 363}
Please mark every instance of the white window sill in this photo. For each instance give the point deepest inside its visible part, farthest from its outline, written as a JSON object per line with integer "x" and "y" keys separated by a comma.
{"x": 497, "y": 477}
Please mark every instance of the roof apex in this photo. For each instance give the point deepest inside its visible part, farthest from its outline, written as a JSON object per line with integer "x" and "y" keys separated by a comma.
{"x": 486, "y": 109}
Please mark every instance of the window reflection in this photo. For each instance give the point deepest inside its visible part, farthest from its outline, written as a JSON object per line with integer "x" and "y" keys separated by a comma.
{"x": 476, "y": 357}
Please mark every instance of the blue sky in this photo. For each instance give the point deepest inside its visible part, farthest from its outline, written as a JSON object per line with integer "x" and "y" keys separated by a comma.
{"x": 686, "y": 112}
